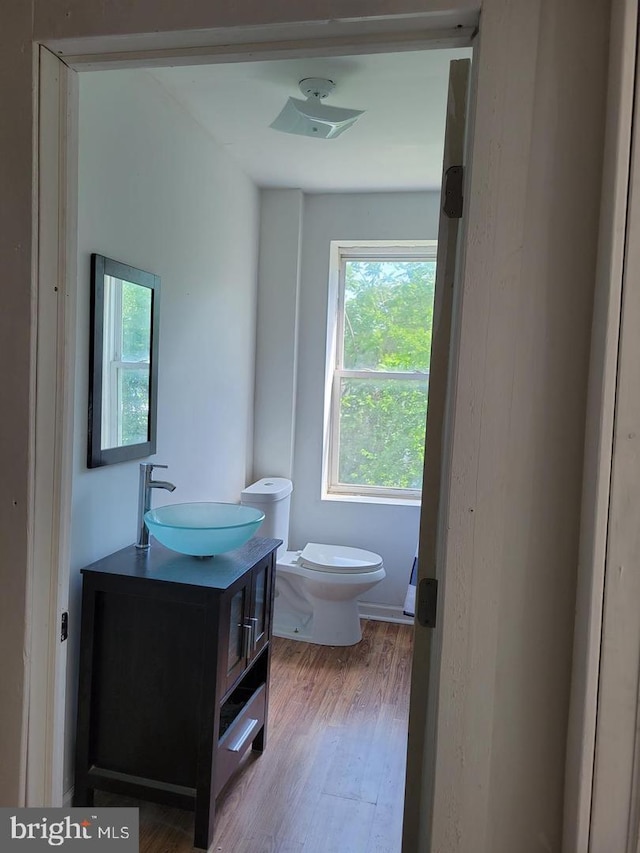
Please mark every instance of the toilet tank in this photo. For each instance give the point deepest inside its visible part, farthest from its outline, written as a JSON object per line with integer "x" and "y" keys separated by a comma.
{"x": 271, "y": 495}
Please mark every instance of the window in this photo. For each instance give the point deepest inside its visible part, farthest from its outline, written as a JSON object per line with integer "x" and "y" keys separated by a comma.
{"x": 379, "y": 345}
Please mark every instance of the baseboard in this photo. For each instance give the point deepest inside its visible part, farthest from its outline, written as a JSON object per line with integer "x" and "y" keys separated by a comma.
{"x": 383, "y": 613}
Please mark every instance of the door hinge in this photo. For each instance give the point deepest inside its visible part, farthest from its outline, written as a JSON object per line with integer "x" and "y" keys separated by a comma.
{"x": 64, "y": 627}
{"x": 427, "y": 602}
{"x": 453, "y": 201}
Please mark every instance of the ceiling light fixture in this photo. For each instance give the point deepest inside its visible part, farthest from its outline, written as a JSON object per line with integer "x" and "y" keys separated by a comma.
{"x": 312, "y": 117}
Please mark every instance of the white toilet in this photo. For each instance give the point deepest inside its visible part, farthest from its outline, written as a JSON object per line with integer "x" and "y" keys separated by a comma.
{"x": 317, "y": 589}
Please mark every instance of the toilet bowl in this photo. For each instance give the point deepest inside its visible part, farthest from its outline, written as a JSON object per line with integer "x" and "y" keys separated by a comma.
{"x": 317, "y": 591}
{"x": 317, "y": 588}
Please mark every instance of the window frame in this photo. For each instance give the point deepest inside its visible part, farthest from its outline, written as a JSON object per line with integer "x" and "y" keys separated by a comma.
{"x": 340, "y": 253}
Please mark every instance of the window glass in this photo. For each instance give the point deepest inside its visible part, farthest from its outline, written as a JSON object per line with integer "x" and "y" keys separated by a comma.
{"x": 380, "y": 381}
{"x": 134, "y": 405}
{"x": 382, "y": 427}
{"x": 136, "y": 322}
{"x": 126, "y": 363}
{"x": 388, "y": 307}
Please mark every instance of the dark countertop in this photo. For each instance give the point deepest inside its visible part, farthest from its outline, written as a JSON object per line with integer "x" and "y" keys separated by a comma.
{"x": 162, "y": 565}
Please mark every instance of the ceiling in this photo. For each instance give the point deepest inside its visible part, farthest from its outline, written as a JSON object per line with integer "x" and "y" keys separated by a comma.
{"x": 395, "y": 145}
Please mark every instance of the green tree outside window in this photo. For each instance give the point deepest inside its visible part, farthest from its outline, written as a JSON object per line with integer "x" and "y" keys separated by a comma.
{"x": 386, "y": 329}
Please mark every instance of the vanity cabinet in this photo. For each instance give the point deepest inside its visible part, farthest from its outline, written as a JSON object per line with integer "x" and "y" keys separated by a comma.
{"x": 174, "y": 674}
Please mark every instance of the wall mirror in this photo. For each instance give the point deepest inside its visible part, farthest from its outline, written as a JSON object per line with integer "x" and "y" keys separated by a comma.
{"x": 123, "y": 362}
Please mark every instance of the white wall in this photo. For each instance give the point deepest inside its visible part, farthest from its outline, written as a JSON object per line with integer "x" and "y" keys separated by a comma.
{"x": 389, "y": 530}
{"x": 156, "y": 192}
{"x": 281, "y": 215}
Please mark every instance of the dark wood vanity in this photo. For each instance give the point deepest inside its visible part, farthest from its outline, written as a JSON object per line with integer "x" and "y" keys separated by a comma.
{"x": 174, "y": 674}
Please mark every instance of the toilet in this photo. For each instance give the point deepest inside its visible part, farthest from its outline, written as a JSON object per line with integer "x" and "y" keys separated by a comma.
{"x": 317, "y": 588}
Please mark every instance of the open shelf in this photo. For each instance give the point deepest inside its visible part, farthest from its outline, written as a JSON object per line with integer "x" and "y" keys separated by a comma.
{"x": 234, "y": 704}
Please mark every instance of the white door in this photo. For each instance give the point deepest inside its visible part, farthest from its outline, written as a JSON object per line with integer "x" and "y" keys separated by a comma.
{"x": 421, "y": 746}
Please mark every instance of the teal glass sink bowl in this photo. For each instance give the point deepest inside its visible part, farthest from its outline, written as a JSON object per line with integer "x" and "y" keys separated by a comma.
{"x": 203, "y": 529}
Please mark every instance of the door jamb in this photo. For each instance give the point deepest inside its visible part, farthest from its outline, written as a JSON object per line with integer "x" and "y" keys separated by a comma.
{"x": 54, "y": 318}
{"x": 599, "y": 437}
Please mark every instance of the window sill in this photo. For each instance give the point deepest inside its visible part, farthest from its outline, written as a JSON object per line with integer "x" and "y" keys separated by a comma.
{"x": 370, "y": 499}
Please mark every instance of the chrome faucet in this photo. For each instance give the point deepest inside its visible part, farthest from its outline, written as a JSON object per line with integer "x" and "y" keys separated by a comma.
{"x": 144, "y": 499}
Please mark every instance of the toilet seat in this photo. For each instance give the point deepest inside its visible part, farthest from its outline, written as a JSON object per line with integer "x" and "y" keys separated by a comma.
{"x": 338, "y": 559}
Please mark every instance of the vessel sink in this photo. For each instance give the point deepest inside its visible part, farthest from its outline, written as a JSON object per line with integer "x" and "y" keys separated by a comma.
{"x": 203, "y": 529}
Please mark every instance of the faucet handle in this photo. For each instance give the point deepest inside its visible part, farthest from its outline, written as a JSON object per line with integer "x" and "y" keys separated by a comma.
{"x": 146, "y": 472}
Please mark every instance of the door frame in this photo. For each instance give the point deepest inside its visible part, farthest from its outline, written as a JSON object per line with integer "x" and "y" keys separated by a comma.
{"x": 56, "y": 155}
{"x": 57, "y": 167}
{"x": 507, "y": 29}
{"x": 615, "y": 807}
{"x": 598, "y": 524}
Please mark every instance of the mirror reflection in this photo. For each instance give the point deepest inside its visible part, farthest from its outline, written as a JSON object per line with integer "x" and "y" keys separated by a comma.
{"x": 126, "y": 363}
{"x": 123, "y": 374}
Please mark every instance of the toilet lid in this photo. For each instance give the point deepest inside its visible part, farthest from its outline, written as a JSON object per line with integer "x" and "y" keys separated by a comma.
{"x": 338, "y": 558}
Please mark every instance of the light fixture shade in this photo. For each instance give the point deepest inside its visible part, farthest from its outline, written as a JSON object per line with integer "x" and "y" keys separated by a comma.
{"x": 311, "y": 118}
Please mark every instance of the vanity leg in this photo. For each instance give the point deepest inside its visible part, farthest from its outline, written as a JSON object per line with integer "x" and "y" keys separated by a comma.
{"x": 82, "y": 792}
{"x": 82, "y": 796}
{"x": 204, "y": 825}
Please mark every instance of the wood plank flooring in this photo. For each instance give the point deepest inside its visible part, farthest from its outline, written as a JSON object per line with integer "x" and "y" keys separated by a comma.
{"x": 331, "y": 779}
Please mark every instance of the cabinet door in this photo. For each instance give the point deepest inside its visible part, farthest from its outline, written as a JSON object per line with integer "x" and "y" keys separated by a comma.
{"x": 239, "y": 634}
{"x": 260, "y": 615}
{"x": 247, "y": 622}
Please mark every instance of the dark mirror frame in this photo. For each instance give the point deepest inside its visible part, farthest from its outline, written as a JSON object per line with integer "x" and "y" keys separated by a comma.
{"x": 96, "y": 455}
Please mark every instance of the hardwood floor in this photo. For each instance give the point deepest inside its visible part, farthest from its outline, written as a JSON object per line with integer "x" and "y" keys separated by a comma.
{"x": 331, "y": 779}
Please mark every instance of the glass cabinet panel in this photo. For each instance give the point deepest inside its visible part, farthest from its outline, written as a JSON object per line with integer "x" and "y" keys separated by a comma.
{"x": 236, "y": 629}
{"x": 260, "y": 603}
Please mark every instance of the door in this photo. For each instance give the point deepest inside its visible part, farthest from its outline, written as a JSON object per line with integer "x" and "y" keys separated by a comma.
{"x": 421, "y": 746}
{"x": 235, "y": 650}
{"x": 260, "y": 616}
{"x": 247, "y": 620}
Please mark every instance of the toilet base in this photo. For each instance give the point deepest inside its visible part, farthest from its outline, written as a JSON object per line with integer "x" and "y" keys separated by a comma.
{"x": 291, "y": 626}
{"x": 337, "y": 625}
